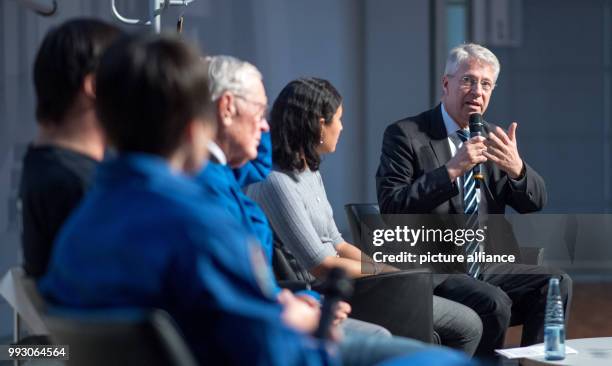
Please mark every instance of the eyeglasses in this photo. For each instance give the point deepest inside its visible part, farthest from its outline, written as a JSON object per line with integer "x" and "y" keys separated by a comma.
{"x": 263, "y": 108}
{"x": 261, "y": 105}
{"x": 468, "y": 82}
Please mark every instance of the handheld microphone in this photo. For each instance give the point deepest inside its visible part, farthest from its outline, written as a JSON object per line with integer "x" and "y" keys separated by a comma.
{"x": 336, "y": 287}
{"x": 477, "y": 129}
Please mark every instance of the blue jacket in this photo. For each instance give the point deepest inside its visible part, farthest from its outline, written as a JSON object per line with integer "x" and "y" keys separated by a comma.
{"x": 226, "y": 186}
{"x": 145, "y": 236}
{"x": 258, "y": 169}
{"x": 220, "y": 183}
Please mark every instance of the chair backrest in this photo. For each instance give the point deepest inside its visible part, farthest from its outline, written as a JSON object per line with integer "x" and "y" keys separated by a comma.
{"x": 21, "y": 293}
{"x": 363, "y": 216}
{"x": 119, "y": 337}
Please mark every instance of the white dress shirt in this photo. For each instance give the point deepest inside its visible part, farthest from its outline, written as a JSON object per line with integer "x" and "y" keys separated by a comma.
{"x": 217, "y": 153}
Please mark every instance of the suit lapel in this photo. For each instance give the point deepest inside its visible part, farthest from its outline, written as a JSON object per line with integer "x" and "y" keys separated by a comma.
{"x": 437, "y": 133}
{"x": 439, "y": 145}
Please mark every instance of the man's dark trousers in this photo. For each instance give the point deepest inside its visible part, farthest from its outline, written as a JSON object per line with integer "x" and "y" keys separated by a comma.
{"x": 506, "y": 295}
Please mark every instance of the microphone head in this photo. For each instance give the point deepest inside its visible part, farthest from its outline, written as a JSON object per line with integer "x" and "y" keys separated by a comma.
{"x": 337, "y": 284}
{"x": 476, "y": 125}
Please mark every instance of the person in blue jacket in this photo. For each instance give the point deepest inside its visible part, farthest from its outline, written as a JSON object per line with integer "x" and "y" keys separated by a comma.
{"x": 241, "y": 150}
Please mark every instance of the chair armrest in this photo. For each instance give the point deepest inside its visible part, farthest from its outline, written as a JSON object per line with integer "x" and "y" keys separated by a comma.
{"x": 294, "y": 286}
{"x": 400, "y": 301}
{"x": 286, "y": 266}
{"x": 532, "y": 255}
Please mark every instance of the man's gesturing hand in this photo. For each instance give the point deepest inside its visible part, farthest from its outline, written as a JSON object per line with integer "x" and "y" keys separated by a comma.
{"x": 470, "y": 154}
{"x": 503, "y": 152}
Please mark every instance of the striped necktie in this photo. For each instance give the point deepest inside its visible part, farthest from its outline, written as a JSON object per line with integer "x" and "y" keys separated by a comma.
{"x": 470, "y": 208}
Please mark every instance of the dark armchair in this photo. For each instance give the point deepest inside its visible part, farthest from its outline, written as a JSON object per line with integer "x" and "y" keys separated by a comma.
{"x": 104, "y": 336}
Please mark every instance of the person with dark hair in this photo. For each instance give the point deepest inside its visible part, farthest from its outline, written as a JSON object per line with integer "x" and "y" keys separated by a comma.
{"x": 307, "y": 114}
{"x": 59, "y": 163}
{"x": 305, "y": 123}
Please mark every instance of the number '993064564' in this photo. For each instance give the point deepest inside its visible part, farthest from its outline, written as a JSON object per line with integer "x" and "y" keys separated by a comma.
{"x": 33, "y": 352}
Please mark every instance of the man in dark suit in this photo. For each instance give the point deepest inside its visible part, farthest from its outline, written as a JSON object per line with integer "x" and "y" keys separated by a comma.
{"x": 426, "y": 168}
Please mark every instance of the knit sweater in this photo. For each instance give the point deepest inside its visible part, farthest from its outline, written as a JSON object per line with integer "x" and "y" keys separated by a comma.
{"x": 300, "y": 214}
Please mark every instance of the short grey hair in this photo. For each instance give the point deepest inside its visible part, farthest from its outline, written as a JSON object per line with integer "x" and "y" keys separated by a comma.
{"x": 470, "y": 51}
{"x": 229, "y": 74}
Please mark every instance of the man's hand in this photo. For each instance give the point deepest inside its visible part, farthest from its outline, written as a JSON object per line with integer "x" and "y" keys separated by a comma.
{"x": 343, "y": 309}
{"x": 341, "y": 312}
{"x": 299, "y": 314}
{"x": 503, "y": 152}
{"x": 471, "y": 153}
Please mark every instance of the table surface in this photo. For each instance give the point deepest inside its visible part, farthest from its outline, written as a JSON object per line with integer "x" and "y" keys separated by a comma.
{"x": 591, "y": 352}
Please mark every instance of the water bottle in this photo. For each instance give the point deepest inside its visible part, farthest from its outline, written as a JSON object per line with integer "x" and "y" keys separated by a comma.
{"x": 554, "y": 323}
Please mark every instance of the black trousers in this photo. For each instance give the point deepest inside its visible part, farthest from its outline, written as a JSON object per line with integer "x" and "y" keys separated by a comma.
{"x": 505, "y": 295}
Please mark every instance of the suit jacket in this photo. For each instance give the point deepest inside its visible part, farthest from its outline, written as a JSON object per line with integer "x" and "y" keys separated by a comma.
{"x": 412, "y": 176}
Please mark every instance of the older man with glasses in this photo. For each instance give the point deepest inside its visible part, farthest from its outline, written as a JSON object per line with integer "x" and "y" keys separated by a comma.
{"x": 426, "y": 167}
